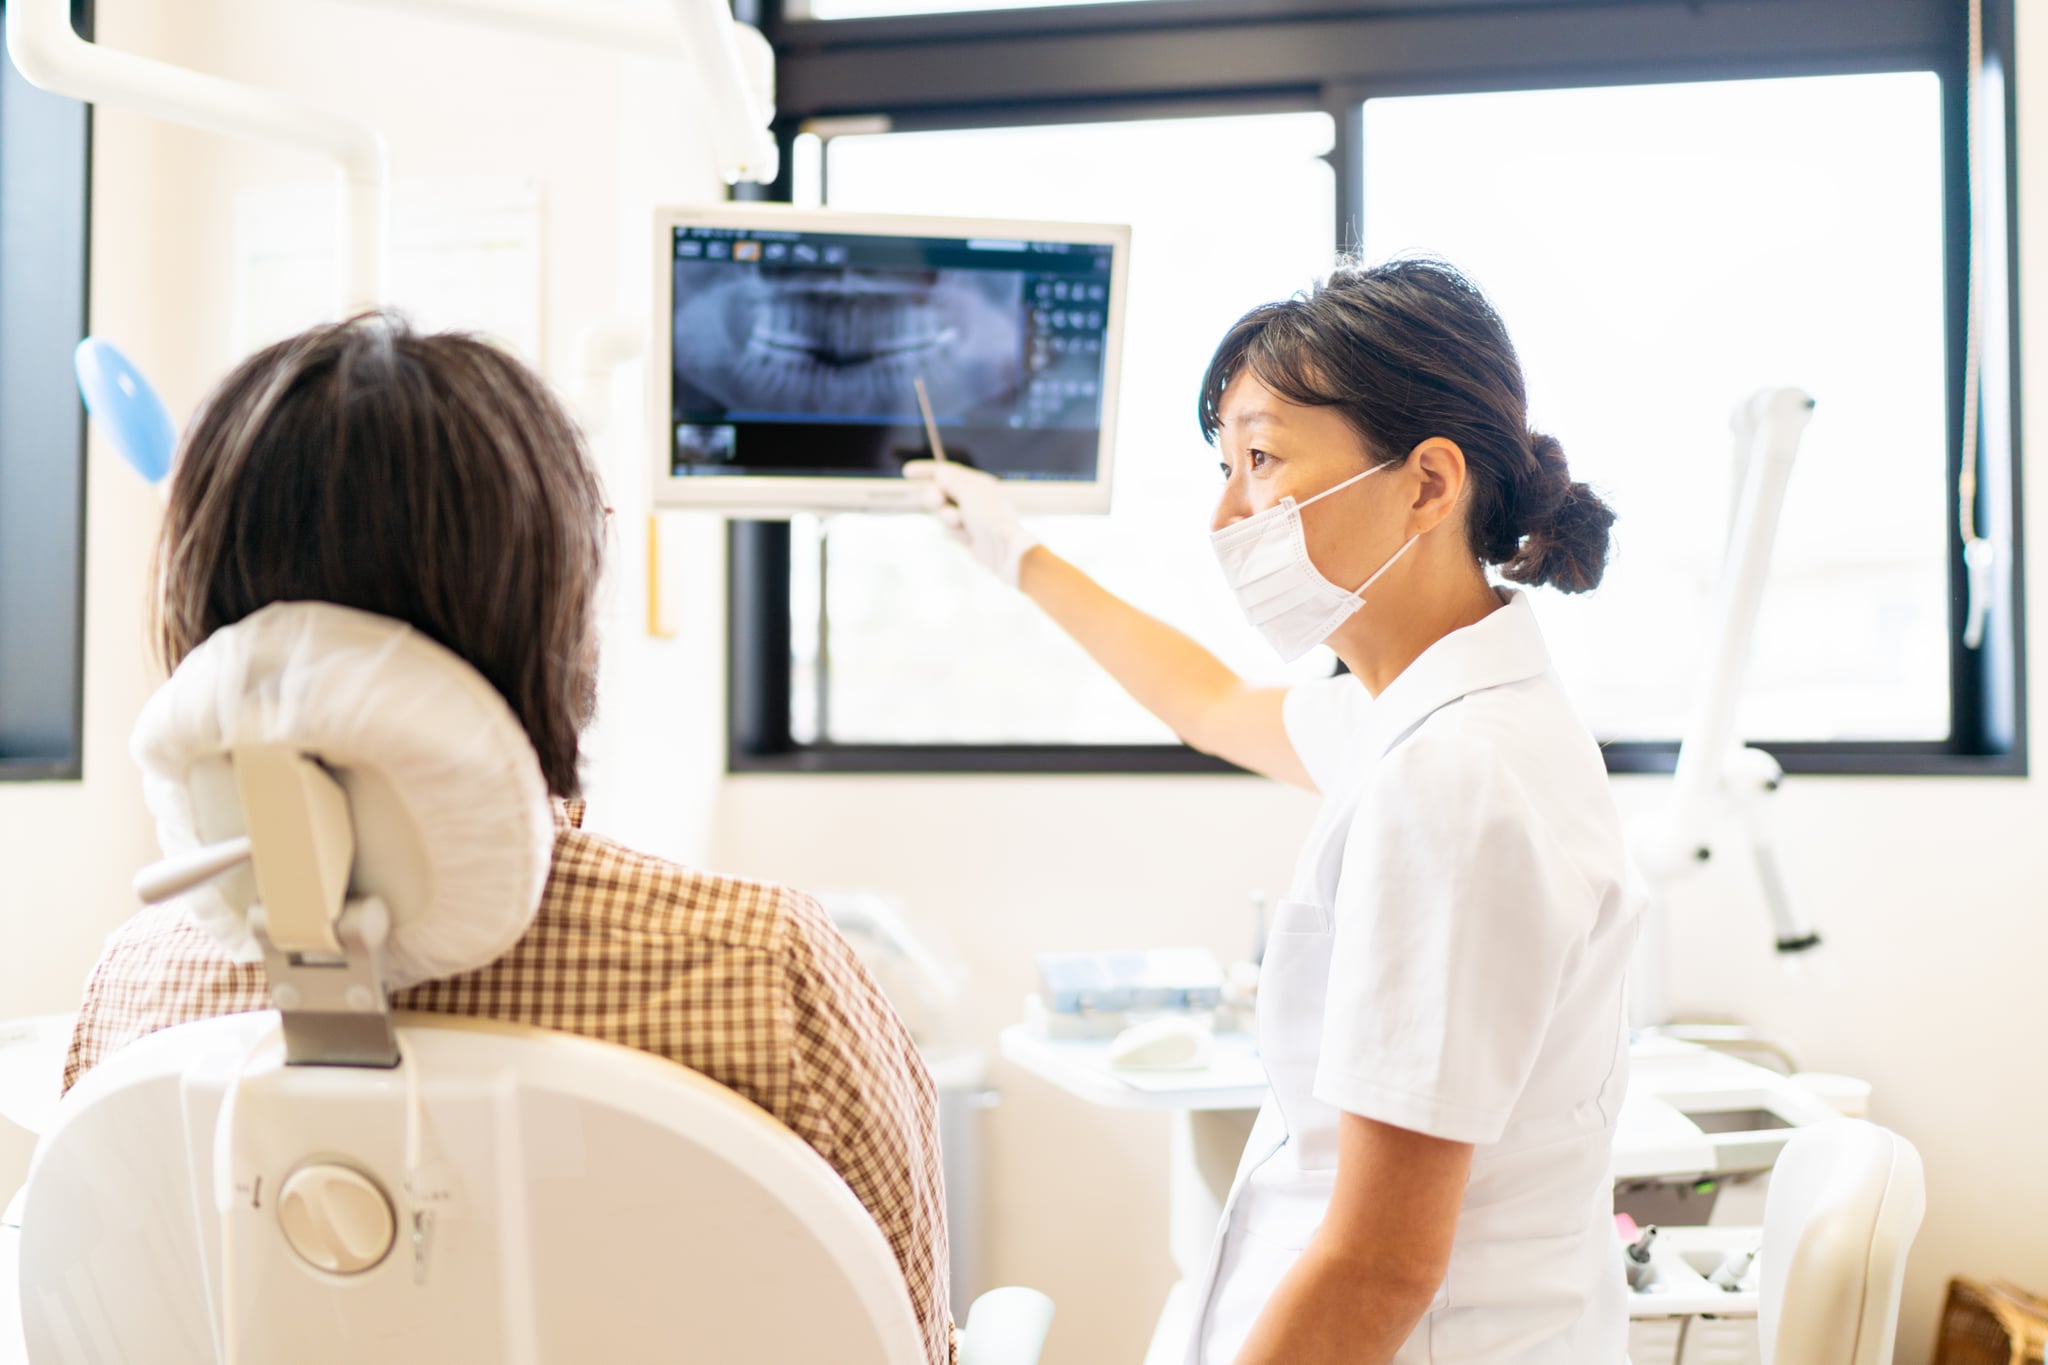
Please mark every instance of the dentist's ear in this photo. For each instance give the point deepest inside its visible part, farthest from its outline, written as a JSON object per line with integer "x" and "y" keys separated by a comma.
{"x": 1440, "y": 473}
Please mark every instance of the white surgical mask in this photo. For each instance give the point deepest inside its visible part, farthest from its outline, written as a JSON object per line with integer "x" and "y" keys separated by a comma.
{"x": 1265, "y": 560}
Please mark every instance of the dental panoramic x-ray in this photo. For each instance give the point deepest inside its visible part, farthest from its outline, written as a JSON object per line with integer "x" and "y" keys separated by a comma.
{"x": 796, "y": 341}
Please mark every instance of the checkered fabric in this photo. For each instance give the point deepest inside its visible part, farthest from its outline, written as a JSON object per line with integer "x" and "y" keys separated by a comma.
{"x": 745, "y": 982}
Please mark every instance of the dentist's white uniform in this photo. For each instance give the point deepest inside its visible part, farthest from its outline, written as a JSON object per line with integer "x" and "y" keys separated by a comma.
{"x": 1450, "y": 961}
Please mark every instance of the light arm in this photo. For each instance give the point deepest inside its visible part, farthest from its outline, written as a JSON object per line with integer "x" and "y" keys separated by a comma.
{"x": 1768, "y": 427}
{"x": 1753, "y": 777}
{"x": 1714, "y": 771}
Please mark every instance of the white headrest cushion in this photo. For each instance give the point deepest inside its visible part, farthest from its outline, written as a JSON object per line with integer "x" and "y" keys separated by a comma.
{"x": 453, "y": 825}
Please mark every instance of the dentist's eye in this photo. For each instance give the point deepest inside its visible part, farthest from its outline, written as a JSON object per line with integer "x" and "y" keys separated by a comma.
{"x": 1224, "y": 465}
{"x": 1258, "y": 459}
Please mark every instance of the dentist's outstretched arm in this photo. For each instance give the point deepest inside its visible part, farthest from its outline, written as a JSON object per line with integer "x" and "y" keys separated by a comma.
{"x": 1177, "y": 680}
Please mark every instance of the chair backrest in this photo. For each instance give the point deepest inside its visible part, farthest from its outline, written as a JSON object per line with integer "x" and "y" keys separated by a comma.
{"x": 198, "y": 1200}
{"x": 13, "y": 1348}
{"x": 1845, "y": 1202}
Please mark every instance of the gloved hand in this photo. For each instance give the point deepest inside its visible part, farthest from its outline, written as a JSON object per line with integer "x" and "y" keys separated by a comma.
{"x": 976, "y": 510}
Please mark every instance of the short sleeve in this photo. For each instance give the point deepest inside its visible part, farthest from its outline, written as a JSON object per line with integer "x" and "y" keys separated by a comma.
{"x": 1324, "y": 719}
{"x": 1455, "y": 920}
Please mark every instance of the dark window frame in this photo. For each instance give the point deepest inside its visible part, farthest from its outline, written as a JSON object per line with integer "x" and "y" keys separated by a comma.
{"x": 45, "y": 222}
{"x": 1136, "y": 60}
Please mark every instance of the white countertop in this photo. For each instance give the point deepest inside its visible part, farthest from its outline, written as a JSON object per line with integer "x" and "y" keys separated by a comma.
{"x": 1667, "y": 1081}
{"x": 32, "y": 1068}
{"x": 1234, "y": 1078}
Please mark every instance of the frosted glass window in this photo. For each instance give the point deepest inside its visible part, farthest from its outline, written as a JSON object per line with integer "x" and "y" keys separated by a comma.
{"x": 898, "y": 636}
{"x": 1659, "y": 253}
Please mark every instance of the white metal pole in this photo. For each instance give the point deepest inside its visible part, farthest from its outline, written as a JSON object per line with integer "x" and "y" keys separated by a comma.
{"x": 1768, "y": 428}
{"x": 739, "y": 121}
{"x": 1775, "y": 420}
{"x": 49, "y": 54}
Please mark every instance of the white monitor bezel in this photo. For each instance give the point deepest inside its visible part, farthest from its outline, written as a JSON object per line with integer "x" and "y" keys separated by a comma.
{"x": 769, "y": 496}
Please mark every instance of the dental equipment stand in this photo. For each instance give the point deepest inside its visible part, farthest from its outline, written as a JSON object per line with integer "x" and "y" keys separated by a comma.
{"x": 1719, "y": 780}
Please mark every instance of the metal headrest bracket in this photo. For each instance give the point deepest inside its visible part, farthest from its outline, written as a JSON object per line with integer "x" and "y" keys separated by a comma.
{"x": 322, "y": 952}
{"x": 335, "y": 1010}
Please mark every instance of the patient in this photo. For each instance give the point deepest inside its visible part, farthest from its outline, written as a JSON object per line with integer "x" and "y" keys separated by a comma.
{"x": 433, "y": 479}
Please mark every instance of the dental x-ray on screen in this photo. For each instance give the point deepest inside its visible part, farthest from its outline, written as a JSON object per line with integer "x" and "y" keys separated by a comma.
{"x": 790, "y": 343}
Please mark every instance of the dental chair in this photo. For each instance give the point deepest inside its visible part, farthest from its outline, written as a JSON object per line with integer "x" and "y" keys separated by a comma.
{"x": 1845, "y": 1203}
{"x": 330, "y": 1181}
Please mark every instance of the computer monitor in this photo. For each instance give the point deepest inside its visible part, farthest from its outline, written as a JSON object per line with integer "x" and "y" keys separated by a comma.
{"x": 788, "y": 342}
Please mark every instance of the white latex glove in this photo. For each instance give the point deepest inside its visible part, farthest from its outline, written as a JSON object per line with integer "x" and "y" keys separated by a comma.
{"x": 976, "y": 511}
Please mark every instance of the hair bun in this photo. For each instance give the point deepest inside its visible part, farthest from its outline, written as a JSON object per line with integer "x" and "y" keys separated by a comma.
{"x": 1566, "y": 544}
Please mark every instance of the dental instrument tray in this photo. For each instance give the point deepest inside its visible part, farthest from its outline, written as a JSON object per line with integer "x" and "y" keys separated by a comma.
{"x": 789, "y": 344}
{"x": 1130, "y": 982}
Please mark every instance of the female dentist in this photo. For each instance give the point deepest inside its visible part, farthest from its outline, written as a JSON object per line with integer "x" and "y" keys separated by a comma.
{"x": 1440, "y": 1007}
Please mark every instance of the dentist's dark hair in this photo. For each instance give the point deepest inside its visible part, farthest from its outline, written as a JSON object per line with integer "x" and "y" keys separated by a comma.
{"x": 1409, "y": 350}
{"x": 431, "y": 479}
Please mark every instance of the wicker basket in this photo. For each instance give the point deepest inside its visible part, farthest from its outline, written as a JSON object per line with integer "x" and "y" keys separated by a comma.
{"x": 1991, "y": 1324}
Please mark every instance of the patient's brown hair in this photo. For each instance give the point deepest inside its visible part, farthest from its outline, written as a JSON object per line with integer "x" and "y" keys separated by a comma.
{"x": 432, "y": 479}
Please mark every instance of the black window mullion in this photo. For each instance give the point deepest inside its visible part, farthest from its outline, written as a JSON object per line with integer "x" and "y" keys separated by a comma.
{"x": 1966, "y": 698}
{"x": 1345, "y": 104}
{"x": 1022, "y": 59}
{"x": 1996, "y": 673}
{"x": 758, "y": 643}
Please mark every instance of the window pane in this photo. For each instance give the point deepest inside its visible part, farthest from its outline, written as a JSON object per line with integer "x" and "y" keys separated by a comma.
{"x": 1659, "y": 253}
{"x": 44, "y": 142}
{"x": 921, "y": 645}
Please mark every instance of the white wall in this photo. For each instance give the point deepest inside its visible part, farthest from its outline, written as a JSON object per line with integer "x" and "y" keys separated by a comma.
{"x": 1927, "y": 890}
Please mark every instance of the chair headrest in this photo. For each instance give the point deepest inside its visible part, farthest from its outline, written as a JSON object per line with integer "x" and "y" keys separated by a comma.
{"x": 453, "y": 826}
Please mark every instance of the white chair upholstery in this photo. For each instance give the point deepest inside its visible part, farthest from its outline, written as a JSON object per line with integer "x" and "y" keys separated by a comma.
{"x": 1845, "y": 1202}
{"x": 13, "y": 1347}
{"x": 332, "y": 1185}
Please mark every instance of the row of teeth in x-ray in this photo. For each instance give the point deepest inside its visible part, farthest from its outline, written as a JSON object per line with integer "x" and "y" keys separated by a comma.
{"x": 777, "y": 378}
{"x": 846, "y": 351}
{"x": 847, "y": 330}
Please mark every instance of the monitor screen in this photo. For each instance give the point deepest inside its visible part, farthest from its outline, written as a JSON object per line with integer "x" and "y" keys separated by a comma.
{"x": 794, "y": 340}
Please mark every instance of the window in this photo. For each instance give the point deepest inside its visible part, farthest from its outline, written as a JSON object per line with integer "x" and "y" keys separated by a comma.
{"x": 911, "y": 648}
{"x": 1672, "y": 206}
{"x": 1659, "y": 253}
{"x": 43, "y": 150}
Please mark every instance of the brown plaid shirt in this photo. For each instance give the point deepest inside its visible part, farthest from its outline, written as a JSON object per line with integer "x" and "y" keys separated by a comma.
{"x": 745, "y": 982}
